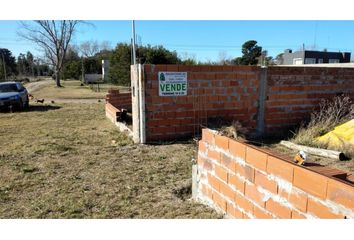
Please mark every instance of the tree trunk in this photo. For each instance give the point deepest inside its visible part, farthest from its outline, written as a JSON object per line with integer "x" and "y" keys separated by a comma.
{"x": 57, "y": 78}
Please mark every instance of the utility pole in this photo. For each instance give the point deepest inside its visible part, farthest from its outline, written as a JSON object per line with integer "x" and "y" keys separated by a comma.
{"x": 4, "y": 64}
{"x": 133, "y": 31}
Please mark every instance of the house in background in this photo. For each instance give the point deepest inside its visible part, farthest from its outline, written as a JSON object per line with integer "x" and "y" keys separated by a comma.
{"x": 314, "y": 57}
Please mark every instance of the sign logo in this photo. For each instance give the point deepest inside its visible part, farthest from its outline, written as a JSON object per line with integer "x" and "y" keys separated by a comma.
{"x": 162, "y": 77}
{"x": 172, "y": 83}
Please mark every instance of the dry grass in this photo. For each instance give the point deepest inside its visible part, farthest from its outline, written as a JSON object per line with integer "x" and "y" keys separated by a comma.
{"x": 71, "y": 89}
{"x": 329, "y": 115}
{"x": 58, "y": 161}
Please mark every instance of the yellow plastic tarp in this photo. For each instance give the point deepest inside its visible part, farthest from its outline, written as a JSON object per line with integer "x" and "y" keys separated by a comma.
{"x": 341, "y": 135}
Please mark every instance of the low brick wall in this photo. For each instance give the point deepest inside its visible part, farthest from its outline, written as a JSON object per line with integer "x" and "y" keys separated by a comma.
{"x": 111, "y": 112}
{"x": 119, "y": 100}
{"x": 244, "y": 181}
{"x": 115, "y": 101}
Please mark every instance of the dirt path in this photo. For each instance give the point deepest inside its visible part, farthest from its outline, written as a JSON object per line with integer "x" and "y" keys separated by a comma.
{"x": 35, "y": 86}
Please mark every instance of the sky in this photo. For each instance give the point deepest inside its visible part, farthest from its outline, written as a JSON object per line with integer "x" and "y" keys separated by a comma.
{"x": 204, "y": 40}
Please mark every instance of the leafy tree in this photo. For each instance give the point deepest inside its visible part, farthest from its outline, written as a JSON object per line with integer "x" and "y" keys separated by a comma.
{"x": 8, "y": 63}
{"x": 157, "y": 55}
{"x": 251, "y": 52}
{"x": 189, "y": 61}
{"x": 120, "y": 60}
{"x": 72, "y": 70}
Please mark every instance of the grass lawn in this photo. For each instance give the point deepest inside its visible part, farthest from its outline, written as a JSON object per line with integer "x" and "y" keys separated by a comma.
{"x": 71, "y": 90}
{"x": 69, "y": 161}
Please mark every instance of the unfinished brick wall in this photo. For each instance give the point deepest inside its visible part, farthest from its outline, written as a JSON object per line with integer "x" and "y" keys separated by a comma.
{"x": 115, "y": 102}
{"x": 119, "y": 100}
{"x": 229, "y": 92}
{"x": 246, "y": 182}
{"x": 294, "y": 92}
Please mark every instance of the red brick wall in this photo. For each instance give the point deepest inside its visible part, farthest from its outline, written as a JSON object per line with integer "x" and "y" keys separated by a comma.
{"x": 115, "y": 101}
{"x": 245, "y": 182}
{"x": 230, "y": 92}
{"x": 119, "y": 100}
{"x": 293, "y": 92}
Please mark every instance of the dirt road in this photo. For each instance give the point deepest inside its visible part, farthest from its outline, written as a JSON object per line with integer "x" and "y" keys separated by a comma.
{"x": 35, "y": 86}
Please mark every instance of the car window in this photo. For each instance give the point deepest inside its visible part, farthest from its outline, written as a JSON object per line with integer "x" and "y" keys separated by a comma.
{"x": 8, "y": 88}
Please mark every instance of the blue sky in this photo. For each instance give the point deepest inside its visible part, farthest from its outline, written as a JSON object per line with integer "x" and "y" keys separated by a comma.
{"x": 206, "y": 40}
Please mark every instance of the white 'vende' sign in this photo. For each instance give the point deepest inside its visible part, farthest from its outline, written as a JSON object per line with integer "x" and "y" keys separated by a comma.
{"x": 172, "y": 83}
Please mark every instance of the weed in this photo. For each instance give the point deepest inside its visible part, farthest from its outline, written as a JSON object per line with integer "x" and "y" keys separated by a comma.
{"x": 329, "y": 114}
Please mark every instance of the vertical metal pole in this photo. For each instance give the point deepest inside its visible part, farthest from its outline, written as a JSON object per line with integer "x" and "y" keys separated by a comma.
{"x": 133, "y": 32}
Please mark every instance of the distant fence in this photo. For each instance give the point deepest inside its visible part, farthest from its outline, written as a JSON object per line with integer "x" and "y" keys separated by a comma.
{"x": 92, "y": 78}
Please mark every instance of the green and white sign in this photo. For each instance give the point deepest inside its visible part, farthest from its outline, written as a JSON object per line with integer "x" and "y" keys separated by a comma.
{"x": 172, "y": 83}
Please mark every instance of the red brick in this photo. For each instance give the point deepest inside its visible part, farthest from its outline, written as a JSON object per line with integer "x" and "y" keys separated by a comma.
{"x": 219, "y": 200}
{"x": 310, "y": 182}
{"x": 207, "y": 135}
{"x": 214, "y": 155}
{"x": 207, "y": 191}
{"x": 222, "y": 142}
{"x": 341, "y": 193}
{"x": 243, "y": 203}
{"x": 298, "y": 200}
{"x": 227, "y": 162}
{"x": 173, "y": 68}
{"x": 200, "y": 160}
{"x": 214, "y": 182}
{"x": 280, "y": 168}
{"x": 238, "y": 183}
{"x": 256, "y": 158}
{"x": 221, "y": 173}
{"x": 261, "y": 214}
{"x": 245, "y": 171}
{"x": 321, "y": 211}
{"x": 205, "y": 163}
{"x": 297, "y": 215}
{"x": 202, "y": 147}
{"x": 237, "y": 149}
{"x": 234, "y": 212}
{"x": 278, "y": 210}
{"x": 263, "y": 181}
{"x": 252, "y": 193}
{"x": 227, "y": 191}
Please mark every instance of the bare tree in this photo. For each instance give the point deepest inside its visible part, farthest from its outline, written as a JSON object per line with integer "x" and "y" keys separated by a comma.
{"x": 89, "y": 48}
{"x": 105, "y": 46}
{"x": 53, "y": 37}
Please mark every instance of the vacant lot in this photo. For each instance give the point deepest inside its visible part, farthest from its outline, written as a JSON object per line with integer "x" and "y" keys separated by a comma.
{"x": 71, "y": 90}
{"x": 69, "y": 161}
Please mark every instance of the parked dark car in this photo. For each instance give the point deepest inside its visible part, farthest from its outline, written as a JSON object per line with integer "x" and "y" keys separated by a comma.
{"x": 13, "y": 95}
